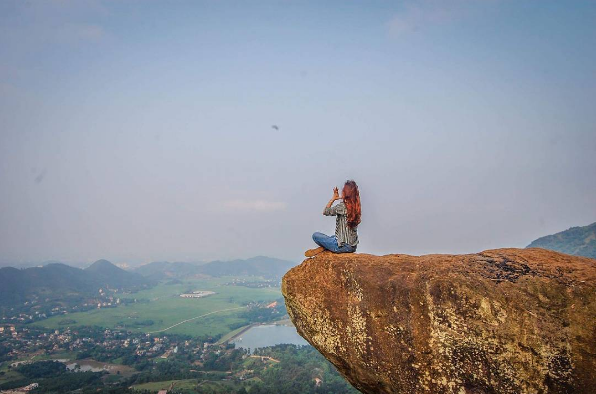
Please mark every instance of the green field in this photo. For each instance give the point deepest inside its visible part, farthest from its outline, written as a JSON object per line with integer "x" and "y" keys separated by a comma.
{"x": 164, "y": 385}
{"x": 164, "y": 306}
{"x": 190, "y": 385}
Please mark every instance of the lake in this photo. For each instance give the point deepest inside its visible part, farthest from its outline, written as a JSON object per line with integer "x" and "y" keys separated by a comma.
{"x": 268, "y": 335}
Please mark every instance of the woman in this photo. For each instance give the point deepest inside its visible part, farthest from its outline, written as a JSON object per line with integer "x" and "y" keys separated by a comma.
{"x": 347, "y": 220}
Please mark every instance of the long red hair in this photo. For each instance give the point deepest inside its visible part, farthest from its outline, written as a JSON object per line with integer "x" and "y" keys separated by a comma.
{"x": 351, "y": 197}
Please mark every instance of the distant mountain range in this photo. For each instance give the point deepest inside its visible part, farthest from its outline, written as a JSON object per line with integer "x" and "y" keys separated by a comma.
{"x": 58, "y": 279}
{"x": 578, "y": 241}
{"x": 160, "y": 270}
{"x": 267, "y": 267}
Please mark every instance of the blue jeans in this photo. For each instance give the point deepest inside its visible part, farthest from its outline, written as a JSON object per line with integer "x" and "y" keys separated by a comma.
{"x": 330, "y": 243}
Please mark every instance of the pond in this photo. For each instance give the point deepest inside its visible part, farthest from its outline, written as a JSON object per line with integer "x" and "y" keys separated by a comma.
{"x": 96, "y": 366}
{"x": 268, "y": 335}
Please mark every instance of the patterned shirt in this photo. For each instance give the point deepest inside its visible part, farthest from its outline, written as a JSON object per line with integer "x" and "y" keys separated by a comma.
{"x": 343, "y": 232}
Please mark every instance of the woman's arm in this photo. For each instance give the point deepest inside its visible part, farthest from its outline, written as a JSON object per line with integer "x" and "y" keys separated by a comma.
{"x": 335, "y": 197}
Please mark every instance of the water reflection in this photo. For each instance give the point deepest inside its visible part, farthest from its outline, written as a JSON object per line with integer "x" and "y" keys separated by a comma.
{"x": 268, "y": 335}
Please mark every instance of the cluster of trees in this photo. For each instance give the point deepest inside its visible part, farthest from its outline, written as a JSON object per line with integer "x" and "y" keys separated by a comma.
{"x": 70, "y": 381}
{"x": 170, "y": 370}
{"x": 99, "y": 353}
{"x": 41, "y": 369}
{"x": 53, "y": 377}
{"x": 257, "y": 314}
{"x": 264, "y": 315}
{"x": 579, "y": 241}
{"x": 223, "y": 362}
{"x": 297, "y": 371}
{"x": 4, "y": 351}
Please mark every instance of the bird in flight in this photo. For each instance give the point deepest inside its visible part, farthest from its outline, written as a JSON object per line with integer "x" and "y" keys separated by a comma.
{"x": 276, "y": 127}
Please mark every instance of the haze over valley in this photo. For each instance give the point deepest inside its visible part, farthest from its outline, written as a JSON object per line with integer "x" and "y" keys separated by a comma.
{"x": 166, "y": 167}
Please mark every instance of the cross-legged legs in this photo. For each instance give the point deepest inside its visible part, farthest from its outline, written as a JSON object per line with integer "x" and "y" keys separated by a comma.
{"x": 328, "y": 243}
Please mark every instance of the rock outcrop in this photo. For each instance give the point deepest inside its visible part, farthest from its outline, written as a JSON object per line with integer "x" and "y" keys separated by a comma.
{"x": 500, "y": 321}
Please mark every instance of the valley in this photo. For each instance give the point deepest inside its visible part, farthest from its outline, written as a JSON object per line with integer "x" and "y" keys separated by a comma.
{"x": 161, "y": 308}
{"x": 153, "y": 339}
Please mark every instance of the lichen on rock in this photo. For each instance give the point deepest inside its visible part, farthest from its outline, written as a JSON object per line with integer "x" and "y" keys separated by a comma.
{"x": 500, "y": 321}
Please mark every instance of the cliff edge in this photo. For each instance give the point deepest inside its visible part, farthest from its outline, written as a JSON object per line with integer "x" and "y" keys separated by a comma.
{"x": 500, "y": 321}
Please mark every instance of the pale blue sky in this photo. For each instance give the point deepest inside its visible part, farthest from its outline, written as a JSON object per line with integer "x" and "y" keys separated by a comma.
{"x": 141, "y": 130}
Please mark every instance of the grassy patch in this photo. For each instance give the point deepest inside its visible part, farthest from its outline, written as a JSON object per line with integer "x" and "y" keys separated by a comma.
{"x": 9, "y": 375}
{"x": 164, "y": 306}
{"x": 109, "y": 379}
{"x": 186, "y": 384}
{"x": 52, "y": 356}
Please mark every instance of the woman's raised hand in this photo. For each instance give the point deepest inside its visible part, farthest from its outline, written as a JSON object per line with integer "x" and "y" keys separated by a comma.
{"x": 335, "y": 193}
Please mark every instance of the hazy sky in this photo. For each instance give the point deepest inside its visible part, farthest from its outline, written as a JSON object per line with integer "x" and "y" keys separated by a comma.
{"x": 140, "y": 130}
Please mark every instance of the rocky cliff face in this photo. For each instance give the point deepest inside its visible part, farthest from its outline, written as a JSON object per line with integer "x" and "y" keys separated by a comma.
{"x": 500, "y": 321}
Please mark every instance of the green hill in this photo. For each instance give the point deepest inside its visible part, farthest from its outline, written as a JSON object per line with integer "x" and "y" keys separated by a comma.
{"x": 161, "y": 270}
{"x": 16, "y": 285}
{"x": 578, "y": 241}
{"x": 58, "y": 280}
{"x": 107, "y": 274}
{"x": 257, "y": 266}
{"x": 267, "y": 267}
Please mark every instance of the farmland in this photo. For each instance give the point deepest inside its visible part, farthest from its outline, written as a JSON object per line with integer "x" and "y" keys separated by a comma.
{"x": 161, "y": 309}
